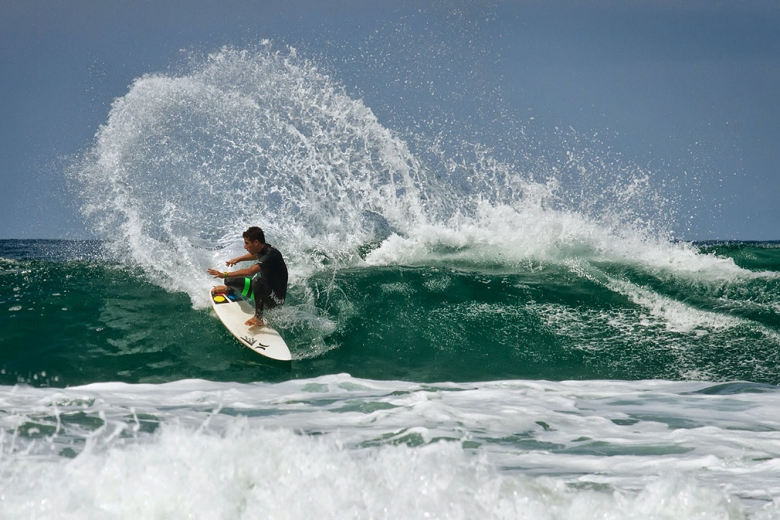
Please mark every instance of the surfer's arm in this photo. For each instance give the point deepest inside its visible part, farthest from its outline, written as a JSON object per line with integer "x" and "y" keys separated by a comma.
{"x": 241, "y": 273}
{"x": 245, "y": 258}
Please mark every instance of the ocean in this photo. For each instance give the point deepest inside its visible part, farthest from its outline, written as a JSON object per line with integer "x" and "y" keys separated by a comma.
{"x": 472, "y": 336}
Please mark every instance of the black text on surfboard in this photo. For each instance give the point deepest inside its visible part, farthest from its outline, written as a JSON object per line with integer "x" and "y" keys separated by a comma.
{"x": 251, "y": 342}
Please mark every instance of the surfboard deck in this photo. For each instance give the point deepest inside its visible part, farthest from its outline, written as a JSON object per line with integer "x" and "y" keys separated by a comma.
{"x": 233, "y": 311}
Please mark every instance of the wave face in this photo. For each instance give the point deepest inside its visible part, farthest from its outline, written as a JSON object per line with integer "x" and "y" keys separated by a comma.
{"x": 70, "y": 317}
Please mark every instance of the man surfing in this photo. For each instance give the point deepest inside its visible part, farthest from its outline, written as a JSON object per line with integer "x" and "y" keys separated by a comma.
{"x": 269, "y": 288}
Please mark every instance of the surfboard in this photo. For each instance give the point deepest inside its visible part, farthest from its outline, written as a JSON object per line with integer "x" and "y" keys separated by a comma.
{"x": 233, "y": 310}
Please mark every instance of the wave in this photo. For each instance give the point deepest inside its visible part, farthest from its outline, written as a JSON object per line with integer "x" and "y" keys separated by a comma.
{"x": 261, "y": 136}
{"x": 419, "y": 253}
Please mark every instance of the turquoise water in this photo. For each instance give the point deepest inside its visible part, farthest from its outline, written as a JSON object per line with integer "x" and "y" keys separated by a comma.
{"x": 71, "y": 319}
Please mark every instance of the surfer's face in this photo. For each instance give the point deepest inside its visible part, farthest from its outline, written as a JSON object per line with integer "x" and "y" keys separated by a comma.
{"x": 253, "y": 247}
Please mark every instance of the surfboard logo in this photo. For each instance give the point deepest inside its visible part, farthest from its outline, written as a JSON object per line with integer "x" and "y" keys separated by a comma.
{"x": 251, "y": 342}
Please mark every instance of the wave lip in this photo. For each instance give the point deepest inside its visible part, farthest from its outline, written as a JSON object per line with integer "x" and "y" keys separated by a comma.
{"x": 508, "y": 236}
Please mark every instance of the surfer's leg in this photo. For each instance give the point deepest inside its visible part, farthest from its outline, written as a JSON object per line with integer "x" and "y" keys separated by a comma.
{"x": 240, "y": 285}
{"x": 265, "y": 296}
{"x": 262, "y": 297}
{"x": 261, "y": 290}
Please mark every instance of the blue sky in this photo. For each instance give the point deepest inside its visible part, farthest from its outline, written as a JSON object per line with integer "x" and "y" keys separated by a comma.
{"x": 685, "y": 89}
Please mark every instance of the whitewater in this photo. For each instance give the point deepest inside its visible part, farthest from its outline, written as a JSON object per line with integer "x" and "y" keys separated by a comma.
{"x": 475, "y": 334}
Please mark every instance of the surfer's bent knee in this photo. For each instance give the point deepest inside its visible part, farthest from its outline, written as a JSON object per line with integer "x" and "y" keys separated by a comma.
{"x": 241, "y": 285}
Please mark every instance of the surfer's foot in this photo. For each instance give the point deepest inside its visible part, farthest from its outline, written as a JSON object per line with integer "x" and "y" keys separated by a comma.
{"x": 255, "y": 321}
{"x": 219, "y": 289}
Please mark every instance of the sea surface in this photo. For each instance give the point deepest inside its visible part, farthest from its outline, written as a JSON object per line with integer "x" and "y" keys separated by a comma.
{"x": 471, "y": 337}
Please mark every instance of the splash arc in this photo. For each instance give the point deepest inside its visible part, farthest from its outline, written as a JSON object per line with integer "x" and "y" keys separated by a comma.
{"x": 233, "y": 311}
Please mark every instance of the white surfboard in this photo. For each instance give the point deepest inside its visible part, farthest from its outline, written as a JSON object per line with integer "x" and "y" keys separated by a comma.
{"x": 233, "y": 311}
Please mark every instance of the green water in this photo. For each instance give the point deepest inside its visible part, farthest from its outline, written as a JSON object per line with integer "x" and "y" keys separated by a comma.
{"x": 68, "y": 321}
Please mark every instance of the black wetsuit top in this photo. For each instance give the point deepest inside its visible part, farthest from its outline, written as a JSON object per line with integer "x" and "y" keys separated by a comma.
{"x": 269, "y": 288}
{"x": 273, "y": 270}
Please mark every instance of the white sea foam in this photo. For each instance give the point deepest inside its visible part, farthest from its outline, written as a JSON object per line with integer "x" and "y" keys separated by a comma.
{"x": 510, "y": 236}
{"x": 249, "y": 473}
{"x": 339, "y": 447}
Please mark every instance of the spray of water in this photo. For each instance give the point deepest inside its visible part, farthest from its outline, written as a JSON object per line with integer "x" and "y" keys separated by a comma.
{"x": 187, "y": 161}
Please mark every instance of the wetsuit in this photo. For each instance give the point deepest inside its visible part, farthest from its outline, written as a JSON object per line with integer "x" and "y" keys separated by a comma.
{"x": 269, "y": 287}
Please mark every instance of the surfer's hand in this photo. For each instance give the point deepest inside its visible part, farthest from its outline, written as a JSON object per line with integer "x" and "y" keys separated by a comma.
{"x": 231, "y": 263}
{"x": 215, "y": 273}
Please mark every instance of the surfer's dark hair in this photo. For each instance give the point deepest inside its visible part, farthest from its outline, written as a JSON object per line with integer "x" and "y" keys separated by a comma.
{"x": 255, "y": 233}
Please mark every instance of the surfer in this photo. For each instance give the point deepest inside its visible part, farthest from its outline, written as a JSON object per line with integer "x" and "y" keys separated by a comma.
{"x": 269, "y": 288}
